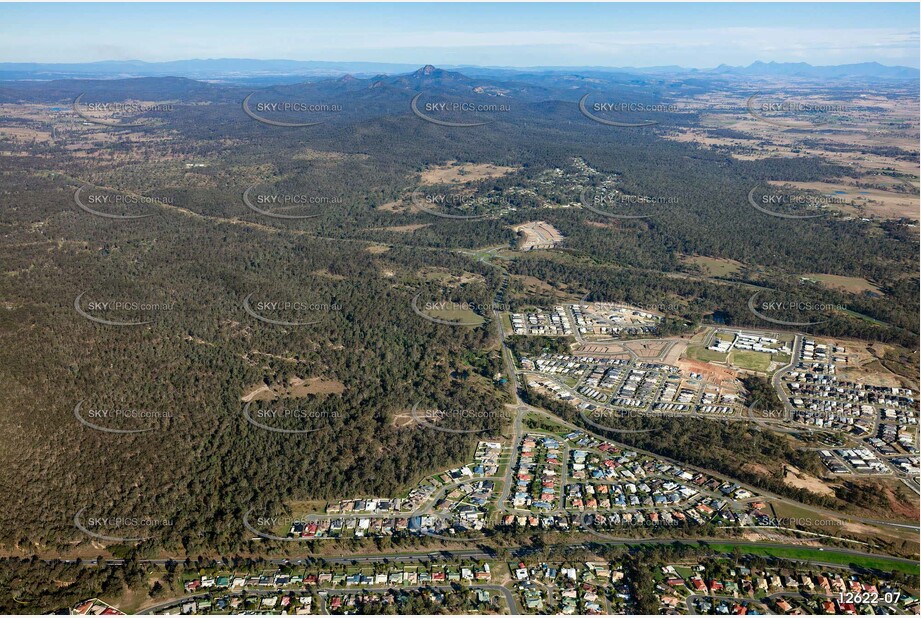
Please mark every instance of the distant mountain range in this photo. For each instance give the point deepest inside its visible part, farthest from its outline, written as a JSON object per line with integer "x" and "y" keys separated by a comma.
{"x": 254, "y": 72}
{"x": 802, "y": 69}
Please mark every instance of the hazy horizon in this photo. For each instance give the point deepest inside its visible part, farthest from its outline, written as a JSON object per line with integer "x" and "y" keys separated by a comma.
{"x": 411, "y": 66}
{"x": 501, "y": 35}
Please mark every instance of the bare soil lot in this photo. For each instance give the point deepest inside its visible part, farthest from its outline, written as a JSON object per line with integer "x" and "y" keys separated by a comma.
{"x": 403, "y": 228}
{"x": 648, "y": 349}
{"x": 296, "y": 387}
{"x": 460, "y": 173}
{"x": 802, "y": 480}
{"x": 863, "y": 365}
{"x": 711, "y": 373}
{"x": 538, "y": 235}
{"x": 604, "y": 350}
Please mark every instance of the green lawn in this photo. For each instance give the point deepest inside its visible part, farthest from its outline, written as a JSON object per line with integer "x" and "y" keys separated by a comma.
{"x": 462, "y": 316}
{"x": 831, "y": 556}
{"x": 542, "y": 423}
{"x": 699, "y": 352}
{"x": 753, "y": 361}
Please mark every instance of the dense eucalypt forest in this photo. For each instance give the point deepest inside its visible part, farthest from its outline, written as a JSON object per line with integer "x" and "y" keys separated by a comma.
{"x": 358, "y": 358}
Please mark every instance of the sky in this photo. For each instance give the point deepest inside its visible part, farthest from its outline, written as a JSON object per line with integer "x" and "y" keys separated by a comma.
{"x": 694, "y": 35}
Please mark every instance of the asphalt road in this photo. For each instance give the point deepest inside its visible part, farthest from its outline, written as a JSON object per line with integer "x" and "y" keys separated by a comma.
{"x": 523, "y": 551}
{"x": 322, "y": 593}
{"x": 485, "y": 553}
{"x": 517, "y": 553}
{"x": 762, "y": 492}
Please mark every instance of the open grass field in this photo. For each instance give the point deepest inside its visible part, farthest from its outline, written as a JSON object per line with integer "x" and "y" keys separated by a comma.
{"x": 826, "y": 555}
{"x": 713, "y": 267}
{"x": 854, "y": 285}
{"x": 753, "y": 361}
{"x": 830, "y": 556}
{"x": 542, "y": 423}
{"x": 891, "y": 202}
{"x": 463, "y": 316}
{"x": 699, "y": 352}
